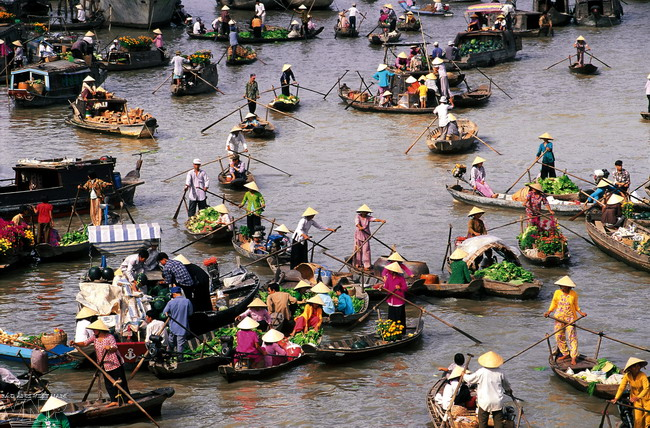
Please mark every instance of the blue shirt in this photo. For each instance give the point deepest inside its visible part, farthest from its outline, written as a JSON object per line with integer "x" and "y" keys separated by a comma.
{"x": 175, "y": 272}
{"x": 328, "y": 306}
{"x": 548, "y": 156}
{"x": 383, "y": 77}
{"x": 180, "y": 309}
{"x": 345, "y": 304}
{"x": 233, "y": 37}
{"x": 437, "y": 53}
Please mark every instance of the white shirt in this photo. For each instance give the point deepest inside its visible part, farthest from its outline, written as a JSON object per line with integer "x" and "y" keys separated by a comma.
{"x": 155, "y": 327}
{"x": 81, "y": 15}
{"x": 444, "y": 399}
{"x": 216, "y": 23}
{"x": 226, "y": 219}
{"x": 352, "y": 11}
{"x": 442, "y": 71}
{"x": 196, "y": 183}
{"x": 260, "y": 10}
{"x": 197, "y": 28}
{"x": 438, "y": 7}
{"x": 647, "y": 87}
{"x": 442, "y": 112}
{"x": 178, "y": 62}
{"x": 507, "y": 8}
{"x": 303, "y": 228}
{"x": 236, "y": 142}
{"x": 492, "y": 385}
{"x": 131, "y": 267}
{"x": 82, "y": 333}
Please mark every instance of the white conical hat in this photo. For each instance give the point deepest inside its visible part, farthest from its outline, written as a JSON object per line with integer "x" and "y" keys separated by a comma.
{"x": 364, "y": 209}
{"x": 475, "y": 211}
{"x": 90, "y": 34}
{"x": 316, "y": 300}
{"x": 382, "y": 67}
{"x": 16, "y": 43}
{"x": 545, "y": 136}
{"x": 604, "y": 183}
{"x": 456, "y": 372}
{"x": 302, "y": 7}
{"x": 402, "y": 55}
{"x": 302, "y": 284}
{"x": 248, "y": 323}
{"x": 225, "y": 8}
{"x": 437, "y": 61}
{"x": 249, "y": 115}
{"x": 490, "y": 360}
{"x": 181, "y": 258}
{"x": 89, "y": 79}
{"x": 458, "y": 254}
{"x": 615, "y": 199}
{"x": 272, "y": 336}
{"x": 85, "y": 312}
{"x": 282, "y": 228}
{"x": 309, "y": 212}
{"x": 252, "y": 185}
{"x": 52, "y": 403}
{"x": 257, "y": 303}
{"x": 157, "y": 31}
{"x": 565, "y": 281}
{"x": 396, "y": 257}
{"x": 320, "y": 288}
{"x": 221, "y": 209}
{"x": 235, "y": 129}
{"x": 395, "y": 267}
{"x": 411, "y": 79}
{"x": 285, "y": 67}
{"x": 477, "y": 159}
{"x": 98, "y": 325}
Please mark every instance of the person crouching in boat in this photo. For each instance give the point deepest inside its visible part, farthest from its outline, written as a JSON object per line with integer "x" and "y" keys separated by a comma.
{"x": 402, "y": 61}
{"x": 637, "y": 381}
{"x": 88, "y": 88}
{"x": 343, "y": 301}
{"x": 225, "y": 219}
{"x": 274, "y": 354}
{"x": 258, "y": 312}
{"x": 581, "y": 47}
{"x": 474, "y": 23}
{"x": 257, "y": 244}
{"x": 477, "y": 178}
{"x": 463, "y": 395}
{"x": 395, "y": 282}
{"x": 460, "y": 273}
{"x": 534, "y": 200}
{"x": 476, "y": 226}
{"x": 452, "y": 132}
{"x": 613, "y": 211}
{"x": 237, "y": 169}
{"x": 248, "y": 344}
{"x": 565, "y": 307}
{"x": 311, "y": 317}
{"x": 250, "y": 121}
{"x": 52, "y": 415}
{"x": 386, "y": 99}
{"x": 323, "y": 292}
{"x": 279, "y": 240}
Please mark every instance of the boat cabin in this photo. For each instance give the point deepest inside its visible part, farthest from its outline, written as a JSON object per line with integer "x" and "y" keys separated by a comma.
{"x": 523, "y": 21}
{"x": 598, "y": 12}
{"x": 561, "y": 6}
{"x": 485, "y": 250}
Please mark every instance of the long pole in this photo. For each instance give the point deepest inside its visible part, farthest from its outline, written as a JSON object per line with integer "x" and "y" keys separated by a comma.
{"x": 144, "y": 357}
{"x": 493, "y": 82}
{"x": 229, "y": 114}
{"x": 524, "y": 173}
{"x": 444, "y": 259}
{"x": 92, "y": 382}
{"x": 207, "y": 83}
{"x": 281, "y": 112}
{"x": 356, "y": 98}
{"x": 160, "y": 86}
{"x": 572, "y": 231}
{"x": 188, "y": 170}
{"x": 74, "y": 206}
{"x": 180, "y": 203}
{"x": 313, "y": 247}
{"x": 117, "y": 385}
{"x": 564, "y": 171}
{"x": 458, "y": 385}
{"x": 420, "y": 136}
{"x": 337, "y": 82}
{"x": 489, "y": 146}
{"x": 392, "y": 249}
{"x": 347, "y": 261}
{"x": 598, "y": 60}
{"x": 262, "y": 162}
{"x": 307, "y": 89}
{"x": 367, "y": 314}
{"x": 208, "y": 234}
{"x": 559, "y": 62}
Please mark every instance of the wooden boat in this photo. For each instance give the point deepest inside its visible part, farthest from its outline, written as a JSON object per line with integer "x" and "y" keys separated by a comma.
{"x": 237, "y": 60}
{"x": 406, "y": 26}
{"x": 583, "y": 363}
{"x": 197, "y": 81}
{"x": 645, "y": 115}
{"x": 145, "y": 14}
{"x": 501, "y": 46}
{"x": 444, "y": 290}
{"x": 240, "y": 249}
{"x": 599, "y": 13}
{"x": 359, "y": 347}
{"x": 621, "y": 250}
{"x": 133, "y": 60}
{"x": 561, "y": 208}
{"x": 57, "y": 23}
{"x": 59, "y": 355}
{"x": 337, "y": 319}
{"x": 62, "y": 81}
{"x": 250, "y": 4}
{"x": 283, "y": 103}
{"x": 559, "y": 11}
{"x": 378, "y": 38}
{"x": 527, "y": 290}
{"x": 371, "y": 103}
{"x": 585, "y": 69}
{"x": 426, "y": 9}
{"x": 539, "y": 258}
{"x": 455, "y": 78}
{"x": 112, "y": 117}
{"x": 317, "y": 4}
{"x": 474, "y": 98}
{"x": 237, "y": 183}
{"x": 265, "y": 129}
{"x": 222, "y": 236}
{"x": 345, "y": 32}
{"x": 418, "y": 268}
{"x": 57, "y": 179}
{"x": 253, "y": 40}
{"x": 49, "y": 253}
{"x": 232, "y": 374}
{"x": 453, "y": 143}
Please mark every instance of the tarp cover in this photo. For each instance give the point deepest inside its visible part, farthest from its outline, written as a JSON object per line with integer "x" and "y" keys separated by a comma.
{"x": 123, "y": 239}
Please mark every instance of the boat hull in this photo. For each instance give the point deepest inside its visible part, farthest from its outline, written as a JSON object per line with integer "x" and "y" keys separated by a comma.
{"x": 525, "y": 291}
{"x": 614, "y": 248}
{"x": 442, "y": 290}
{"x": 141, "y": 130}
{"x": 140, "y": 14}
{"x": 186, "y": 368}
{"x": 49, "y": 253}
{"x": 606, "y": 392}
{"x": 232, "y": 374}
{"x": 587, "y": 69}
{"x": 135, "y": 60}
{"x": 193, "y": 85}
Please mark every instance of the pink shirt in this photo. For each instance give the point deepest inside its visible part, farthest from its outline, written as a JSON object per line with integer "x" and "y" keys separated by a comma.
{"x": 407, "y": 271}
{"x": 158, "y": 41}
{"x": 257, "y": 314}
{"x": 362, "y": 234}
{"x": 112, "y": 360}
{"x": 275, "y": 352}
{"x": 246, "y": 341}
{"x": 393, "y": 280}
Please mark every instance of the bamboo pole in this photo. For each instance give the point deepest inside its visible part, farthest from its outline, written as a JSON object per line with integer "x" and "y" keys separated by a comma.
{"x": 600, "y": 333}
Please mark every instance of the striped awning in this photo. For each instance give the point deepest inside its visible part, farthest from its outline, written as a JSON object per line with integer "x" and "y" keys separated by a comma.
{"x": 485, "y": 7}
{"x": 123, "y": 239}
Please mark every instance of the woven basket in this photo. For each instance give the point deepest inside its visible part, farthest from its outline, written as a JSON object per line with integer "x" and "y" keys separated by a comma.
{"x": 52, "y": 340}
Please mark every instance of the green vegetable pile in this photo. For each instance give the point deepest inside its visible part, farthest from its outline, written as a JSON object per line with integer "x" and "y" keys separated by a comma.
{"x": 506, "y": 272}
{"x": 558, "y": 186}
{"x": 290, "y": 99}
{"x": 73, "y": 238}
{"x": 312, "y": 336}
{"x": 206, "y": 348}
{"x": 550, "y": 241}
{"x": 479, "y": 46}
{"x": 203, "y": 222}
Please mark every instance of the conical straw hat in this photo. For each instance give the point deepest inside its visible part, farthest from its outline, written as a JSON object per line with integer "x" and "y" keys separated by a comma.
{"x": 364, "y": 209}
{"x": 85, "y": 313}
{"x": 456, "y": 372}
{"x": 157, "y": 31}
{"x": 98, "y": 325}
{"x": 402, "y": 55}
{"x": 302, "y": 284}
{"x": 250, "y": 115}
{"x": 475, "y": 211}
{"x": 545, "y": 136}
{"x": 451, "y": 117}
{"x": 225, "y": 8}
{"x": 248, "y": 323}
{"x": 221, "y": 209}
{"x": 604, "y": 183}
{"x": 309, "y": 212}
{"x": 285, "y": 67}
{"x": 90, "y": 34}
{"x": 615, "y": 199}
{"x": 52, "y": 403}
{"x": 565, "y": 281}
{"x": 89, "y": 79}
{"x": 395, "y": 267}
{"x": 181, "y": 258}
{"x": 437, "y": 61}
{"x": 632, "y": 361}
{"x": 411, "y": 79}
{"x": 580, "y": 39}
{"x": 490, "y": 360}
{"x": 282, "y": 228}
{"x": 396, "y": 257}
{"x": 316, "y": 300}
{"x": 272, "y": 336}
{"x": 477, "y": 160}
{"x": 252, "y": 185}
{"x": 458, "y": 254}
{"x": 235, "y": 129}
{"x": 535, "y": 186}
{"x": 257, "y": 303}
{"x": 382, "y": 67}
{"x": 320, "y": 288}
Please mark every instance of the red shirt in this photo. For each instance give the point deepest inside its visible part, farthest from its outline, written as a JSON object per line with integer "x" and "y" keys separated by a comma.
{"x": 44, "y": 211}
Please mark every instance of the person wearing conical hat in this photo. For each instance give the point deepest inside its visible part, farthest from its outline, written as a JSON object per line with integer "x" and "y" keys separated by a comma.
{"x": 285, "y": 79}
{"x": 52, "y": 414}
{"x": 249, "y": 346}
{"x": 254, "y": 204}
{"x": 392, "y": 18}
{"x": 322, "y": 291}
{"x": 304, "y": 288}
{"x": 499, "y": 23}
{"x": 233, "y": 38}
{"x": 443, "y": 80}
{"x": 197, "y": 184}
{"x": 492, "y": 386}
{"x": 279, "y": 240}
{"x": 362, "y": 233}
{"x": 159, "y": 43}
{"x": 250, "y": 121}
{"x": 452, "y": 132}
{"x": 402, "y": 62}
{"x": 474, "y": 23}
{"x": 386, "y": 99}
{"x": 342, "y": 22}
{"x": 476, "y": 226}
{"x": 565, "y": 308}
{"x": 637, "y": 382}
{"x": 311, "y": 317}
{"x": 274, "y": 354}
{"x": 236, "y": 142}
{"x": 462, "y": 392}
{"x": 84, "y": 318}
{"x": 442, "y": 111}
{"x": 534, "y": 200}
{"x": 581, "y": 47}
{"x": 19, "y": 53}
{"x": 397, "y": 257}
{"x": 383, "y": 77}
{"x": 257, "y": 311}
{"x": 81, "y": 13}
{"x": 460, "y": 273}
{"x": 477, "y": 178}
{"x": 395, "y": 282}
{"x": 545, "y": 150}
{"x": 225, "y": 19}
{"x": 300, "y": 236}
{"x": 612, "y": 211}
{"x": 224, "y": 216}
{"x": 304, "y": 17}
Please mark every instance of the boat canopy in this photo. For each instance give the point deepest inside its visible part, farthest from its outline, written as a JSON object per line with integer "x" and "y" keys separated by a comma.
{"x": 123, "y": 239}
{"x": 485, "y": 8}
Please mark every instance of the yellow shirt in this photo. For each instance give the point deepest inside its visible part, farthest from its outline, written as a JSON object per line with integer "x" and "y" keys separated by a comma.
{"x": 422, "y": 90}
{"x": 573, "y": 301}
{"x": 639, "y": 387}
{"x": 18, "y": 219}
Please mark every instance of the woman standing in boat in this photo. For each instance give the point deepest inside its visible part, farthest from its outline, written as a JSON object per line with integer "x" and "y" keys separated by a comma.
{"x": 395, "y": 282}
{"x": 286, "y": 78}
{"x": 361, "y": 237}
{"x": 477, "y": 178}
{"x": 300, "y": 237}
{"x": 159, "y": 43}
{"x": 565, "y": 308}
{"x": 255, "y": 204}
{"x": 534, "y": 200}
{"x": 639, "y": 390}
{"x": 96, "y": 188}
{"x": 548, "y": 158}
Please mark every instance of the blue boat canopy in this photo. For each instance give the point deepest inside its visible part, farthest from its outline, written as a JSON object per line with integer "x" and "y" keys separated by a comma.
{"x": 123, "y": 239}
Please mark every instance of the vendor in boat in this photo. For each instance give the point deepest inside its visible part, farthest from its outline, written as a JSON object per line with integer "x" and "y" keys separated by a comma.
{"x": 451, "y": 52}
{"x": 437, "y": 51}
{"x": 352, "y": 13}
{"x": 274, "y": 354}
{"x": 621, "y": 178}
{"x": 258, "y": 312}
{"x": 133, "y": 266}
{"x": 285, "y": 79}
{"x": 224, "y": 218}
{"x": 612, "y": 211}
{"x": 438, "y": 6}
{"x": 52, "y": 415}
{"x": 19, "y": 219}
{"x": 155, "y": 327}
{"x": 250, "y": 121}
{"x": 545, "y": 25}
{"x": 300, "y": 237}
{"x": 311, "y": 317}
{"x": 395, "y": 283}
{"x": 278, "y": 304}
{"x": 492, "y": 386}
{"x": 216, "y": 24}
{"x": 88, "y": 89}
{"x": 252, "y": 93}
{"x": 84, "y": 318}
{"x": 460, "y": 395}
{"x": 294, "y": 30}
{"x": 474, "y": 23}
{"x": 565, "y": 308}
{"x": 81, "y": 14}
{"x": 500, "y": 23}
{"x": 254, "y": 204}
{"x": 233, "y": 37}
{"x": 237, "y": 169}
{"x": 452, "y": 128}
{"x": 260, "y": 10}
{"x": 304, "y": 288}
{"x": 257, "y": 245}
{"x": 396, "y": 257}
{"x": 279, "y": 240}
{"x": 199, "y": 27}
{"x": 647, "y": 86}
{"x": 257, "y": 24}
{"x": 304, "y": 17}
{"x": 342, "y": 21}
{"x": 197, "y": 184}
{"x": 175, "y": 273}
{"x": 603, "y": 190}
{"x": 225, "y": 20}
{"x": 477, "y": 178}
{"x": 96, "y": 188}
{"x": 581, "y": 47}
{"x": 545, "y": 150}
{"x": 178, "y": 69}
{"x": 386, "y": 99}
{"x": 362, "y": 233}
{"x": 459, "y": 361}
{"x": 178, "y": 309}
{"x": 109, "y": 359}
{"x": 476, "y": 226}
{"x": 236, "y": 142}
{"x": 410, "y": 18}
{"x": 159, "y": 43}
{"x": 248, "y": 344}
{"x": 200, "y": 293}
{"x": 439, "y": 66}
{"x": 392, "y": 17}
{"x": 460, "y": 273}
{"x": 45, "y": 221}
{"x": 442, "y": 111}
{"x": 323, "y": 291}
{"x": 343, "y": 301}
{"x": 19, "y": 54}
{"x": 402, "y": 61}
{"x": 311, "y": 25}
{"x": 534, "y": 201}
{"x": 637, "y": 382}
{"x": 384, "y": 78}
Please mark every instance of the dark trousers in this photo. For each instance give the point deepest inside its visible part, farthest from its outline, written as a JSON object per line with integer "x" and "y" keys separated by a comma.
{"x": 257, "y": 32}
{"x": 225, "y": 28}
{"x": 76, "y": 53}
{"x": 113, "y": 392}
{"x": 648, "y": 103}
{"x": 252, "y": 221}
{"x": 353, "y": 22}
{"x": 252, "y": 106}
{"x": 483, "y": 417}
{"x": 299, "y": 254}
{"x": 397, "y": 313}
{"x": 285, "y": 90}
{"x": 193, "y": 205}
{"x": 547, "y": 171}
{"x": 393, "y": 25}
{"x": 305, "y": 28}
{"x": 189, "y": 292}
{"x": 44, "y": 232}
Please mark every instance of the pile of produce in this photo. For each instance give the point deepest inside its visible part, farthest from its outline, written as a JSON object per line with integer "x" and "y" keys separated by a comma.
{"x": 390, "y": 331}
{"x": 8, "y": 339}
{"x": 638, "y": 239}
{"x": 506, "y": 272}
{"x": 206, "y": 348}
{"x": 547, "y": 241}
{"x": 6, "y": 16}
{"x": 73, "y": 238}
{"x": 241, "y": 53}
{"x": 312, "y": 336}
{"x": 200, "y": 57}
{"x": 597, "y": 376}
{"x": 132, "y": 117}
{"x": 292, "y": 99}
{"x": 275, "y": 33}
{"x": 140, "y": 43}
{"x": 558, "y": 186}
{"x": 14, "y": 237}
{"x": 203, "y": 222}
{"x": 479, "y": 46}
{"x": 40, "y": 27}
{"x": 628, "y": 210}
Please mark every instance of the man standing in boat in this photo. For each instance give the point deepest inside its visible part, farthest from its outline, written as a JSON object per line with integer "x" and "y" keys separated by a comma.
{"x": 581, "y": 47}
{"x": 252, "y": 93}
{"x": 352, "y": 16}
{"x": 260, "y": 11}
{"x": 96, "y": 188}
{"x": 177, "y": 64}
{"x": 197, "y": 182}
{"x": 300, "y": 237}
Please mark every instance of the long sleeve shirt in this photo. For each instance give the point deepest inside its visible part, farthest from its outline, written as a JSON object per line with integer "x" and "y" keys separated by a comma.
{"x": 236, "y": 142}
{"x": 177, "y": 63}
{"x": 180, "y": 309}
{"x": 328, "y": 303}
{"x": 252, "y": 90}
{"x": 392, "y": 281}
{"x": 548, "y": 157}
{"x": 477, "y": 175}
{"x": 647, "y": 87}
{"x": 460, "y": 273}
{"x": 156, "y": 327}
{"x": 303, "y": 229}
{"x": 278, "y": 302}
{"x": 175, "y": 272}
{"x": 345, "y": 304}
{"x": 574, "y": 307}
{"x": 158, "y": 41}
{"x": 197, "y": 184}
{"x": 131, "y": 267}
{"x": 253, "y": 202}
{"x": 112, "y": 360}
{"x": 383, "y": 77}
{"x": 81, "y": 333}
{"x": 287, "y": 77}
{"x": 639, "y": 387}
{"x": 492, "y": 385}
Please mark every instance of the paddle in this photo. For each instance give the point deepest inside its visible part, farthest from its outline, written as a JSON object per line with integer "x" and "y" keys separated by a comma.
{"x": 559, "y": 62}
{"x": 524, "y": 173}
{"x": 458, "y": 385}
{"x": 313, "y": 247}
{"x": 214, "y": 123}
{"x": 117, "y": 385}
{"x": 493, "y": 82}
{"x": 489, "y": 146}
{"x": 208, "y": 234}
{"x": 74, "y": 211}
{"x": 420, "y": 136}
{"x": 564, "y": 171}
{"x": 361, "y": 246}
{"x": 281, "y": 112}
{"x": 337, "y": 82}
{"x": 307, "y": 89}
{"x": 601, "y": 334}
{"x": 160, "y": 86}
{"x": 519, "y": 409}
{"x": 392, "y": 249}
{"x": 372, "y": 30}
{"x": 144, "y": 357}
{"x": 364, "y": 82}
{"x": 180, "y": 203}
{"x": 188, "y": 170}
{"x": 507, "y": 224}
{"x": 191, "y": 333}
{"x": 618, "y": 403}
{"x": 642, "y": 184}
{"x": 92, "y": 382}
{"x": 598, "y": 60}
{"x": 222, "y": 55}
{"x": 367, "y": 314}
{"x": 356, "y": 98}
{"x": 207, "y": 83}
{"x": 587, "y": 207}
{"x": 262, "y": 162}
{"x": 444, "y": 259}
{"x": 605, "y": 415}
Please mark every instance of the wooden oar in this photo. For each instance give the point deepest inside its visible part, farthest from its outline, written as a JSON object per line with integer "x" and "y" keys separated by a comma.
{"x": 117, "y": 385}
{"x": 223, "y": 198}
{"x": 281, "y": 112}
{"x": 188, "y": 170}
{"x": 587, "y": 207}
{"x": 313, "y": 247}
{"x": 618, "y": 403}
{"x": 262, "y": 162}
{"x": 519, "y": 409}
{"x": 420, "y": 136}
{"x": 231, "y": 113}
{"x": 144, "y": 357}
{"x": 364, "y": 82}
{"x": 367, "y": 314}
{"x": 507, "y": 224}
{"x": 180, "y": 203}
{"x": 92, "y": 382}
{"x": 524, "y": 173}
{"x": 489, "y": 146}
{"x": 642, "y": 184}
{"x": 192, "y": 333}
{"x": 206, "y": 82}
{"x": 598, "y": 60}
{"x": 564, "y": 171}
{"x": 559, "y": 62}
{"x": 337, "y": 82}
{"x": 372, "y": 30}
{"x": 74, "y": 206}
{"x": 160, "y": 86}
{"x": 307, "y": 89}
{"x": 493, "y": 82}
{"x": 444, "y": 259}
{"x": 208, "y": 234}
{"x": 347, "y": 261}
{"x": 356, "y": 98}
{"x": 605, "y": 415}
{"x": 222, "y": 55}
{"x": 392, "y": 249}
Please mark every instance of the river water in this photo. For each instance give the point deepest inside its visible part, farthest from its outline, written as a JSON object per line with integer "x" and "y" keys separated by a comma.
{"x": 351, "y": 158}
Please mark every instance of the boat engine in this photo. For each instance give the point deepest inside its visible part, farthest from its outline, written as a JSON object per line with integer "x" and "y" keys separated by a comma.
{"x": 227, "y": 346}
{"x": 156, "y": 349}
{"x": 459, "y": 171}
{"x": 212, "y": 265}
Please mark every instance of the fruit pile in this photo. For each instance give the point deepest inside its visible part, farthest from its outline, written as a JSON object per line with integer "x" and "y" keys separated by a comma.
{"x": 479, "y": 46}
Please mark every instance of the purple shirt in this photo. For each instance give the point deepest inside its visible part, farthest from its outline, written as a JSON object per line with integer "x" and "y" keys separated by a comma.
{"x": 246, "y": 341}
{"x": 275, "y": 352}
{"x": 158, "y": 41}
{"x": 393, "y": 280}
{"x": 257, "y": 314}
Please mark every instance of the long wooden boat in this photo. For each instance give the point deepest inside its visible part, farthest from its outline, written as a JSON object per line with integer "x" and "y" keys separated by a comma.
{"x": 539, "y": 258}
{"x": 372, "y": 106}
{"x": 561, "y": 208}
{"x": 145, "y": 14}
{"x": 427, "y": 9}
{"x": 237, "y": 244}
{"x": 197, "y": 81}
{"x": 645, "y": 115}
{"x": 377, "y": 38}
{"x": 359, "y": 347}
{"x": 285, "y": 104}
{"x": 525, "y": 291}
{"x": 224, "y": 235}
{"x": 584, "y": 362}
{"x": 403, "y": 25}
{"x": 254, "y": 40}
{"x": 123, "y": 61}
{"x": 505, "y": 45}
{"x": 57, "y": 24}
{"x": 250, "y": 4}
{"x": 454, "y": 144}
{"x": 337, "y": 319}
{"x": 145, "y": 129}
{"x": 474, "y": 98}
{"x": 237, "y": 183}
{"x": 345, "y": 33}
{"x": 264, "y": 129}
{"x": 559, "y": 11}
{"x": 587, "y": 69}
{"x": 444, "y": 290}
{"x": 605, "y": 13}
{"x": 60, "y": 354}
{"x": 617, "y": 249}
{"x": 232, "y": 374}
{"x": 49, "y": 253}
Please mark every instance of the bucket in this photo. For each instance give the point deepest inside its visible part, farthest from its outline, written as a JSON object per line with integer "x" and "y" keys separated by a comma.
{"x": 23, "y": 85}
{"x": 430, "y": 279}
{"x": 117, "y": 179}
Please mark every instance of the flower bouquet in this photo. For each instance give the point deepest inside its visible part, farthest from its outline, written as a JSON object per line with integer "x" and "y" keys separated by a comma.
{"x": 135, "y": 44}
{"x": 200, "y": 57}
{"x": 390, "y": 331}
{"x": 546, "y": 239}
{"x": 14, "y": 237}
